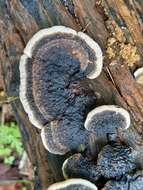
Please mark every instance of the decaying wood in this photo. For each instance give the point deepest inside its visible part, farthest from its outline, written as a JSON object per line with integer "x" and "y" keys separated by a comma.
{"x": 91, "y": 20}
{"x": 131, "y": 92}
{"x": 19, "y": 20}
{"x": 128, "y": 16}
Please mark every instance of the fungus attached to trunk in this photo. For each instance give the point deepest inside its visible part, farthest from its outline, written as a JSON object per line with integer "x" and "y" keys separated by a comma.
{"x": 106, "y": 120}
{"x": 73, "y": 184}
{"x": 128, "y": 182}
{"x": 53, "y": 86}
{"x": 49, "y": 143}
{"x": 66, "y": 135}
{"x": 79, "y": 166}
{"x": 113, "y": 162}
{"x": 138, "y": 74}
{"x": 116, "y": 160}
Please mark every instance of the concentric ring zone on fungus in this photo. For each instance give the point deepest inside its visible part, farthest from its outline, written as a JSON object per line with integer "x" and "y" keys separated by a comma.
{"x": 53, "y": 87}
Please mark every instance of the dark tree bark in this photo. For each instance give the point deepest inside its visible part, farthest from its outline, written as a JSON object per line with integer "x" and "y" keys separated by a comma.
{"x": 20, "y": 19}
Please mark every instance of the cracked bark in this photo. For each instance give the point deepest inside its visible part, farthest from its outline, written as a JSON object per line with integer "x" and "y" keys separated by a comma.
{"x": 19, "y": 20}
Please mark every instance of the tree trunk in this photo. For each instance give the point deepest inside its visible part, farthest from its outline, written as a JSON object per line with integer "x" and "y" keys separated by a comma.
{"x": 115, "y": 24}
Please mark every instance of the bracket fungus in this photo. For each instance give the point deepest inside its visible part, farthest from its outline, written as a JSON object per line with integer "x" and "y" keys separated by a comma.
{"x": 138, "y": 74}
{"x": 53, "y": 90}
{"x": 73, "y": 184}
{"x": 64, "y": 136}
{"x": 56, "y": 96}
{"x": 116, "y": 160}
{"x": 128, "y": 182}
{"x": 112, "y": 162}
{"x": 107, "y": 119}
{"x": 80, "y": 166}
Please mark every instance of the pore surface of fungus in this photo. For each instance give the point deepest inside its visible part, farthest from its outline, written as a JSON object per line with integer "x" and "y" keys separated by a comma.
{"x": 53, "y": 86}
{"x": 73, "y": 184}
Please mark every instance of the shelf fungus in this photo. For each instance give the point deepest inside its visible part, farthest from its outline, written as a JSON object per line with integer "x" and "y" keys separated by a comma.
{"x": 138, "y": 74}
{"x": 116, "y": 160}
{"x": 53, "y": 87}
{"x": 80, "y": 166}
{"x": 57, "y": 98}
{"x": 73, "y": 184}
{"x": 113, "y": 162}
{"x": 128, "y": 182}
{"x": 107, "y": 119}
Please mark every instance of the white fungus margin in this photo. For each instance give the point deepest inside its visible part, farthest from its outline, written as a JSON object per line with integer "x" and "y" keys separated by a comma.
{"x": 73, "y": 181}
{"x": 103, "y": 108}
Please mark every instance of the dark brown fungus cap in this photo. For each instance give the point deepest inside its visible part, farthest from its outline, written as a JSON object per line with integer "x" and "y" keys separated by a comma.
{"x": 128, "y": 182}
{"x": 115, "y": 161}
{"x": 73, "y": 184}
{"x": 51, "y": 57}
{"x": 79, "y": 166}
{"x": 65, "y": 135}
{"x": 52, "y": 69}
{"x": 138, "y": 74}
{"x": 49, "y": 143}
{"x": 107, "y": 119}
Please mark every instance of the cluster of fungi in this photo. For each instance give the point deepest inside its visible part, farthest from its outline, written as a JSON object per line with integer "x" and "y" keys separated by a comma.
{"x": 55, "y": 68}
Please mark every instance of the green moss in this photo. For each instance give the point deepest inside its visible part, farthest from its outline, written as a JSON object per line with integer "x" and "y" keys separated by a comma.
{"x": 10, "y": 142}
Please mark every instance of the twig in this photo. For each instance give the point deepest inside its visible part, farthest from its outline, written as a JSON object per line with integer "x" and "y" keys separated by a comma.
{"x": 84, "y": 29}
{"x": 110, "y": 75}
{"x": 9, "y": 99}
